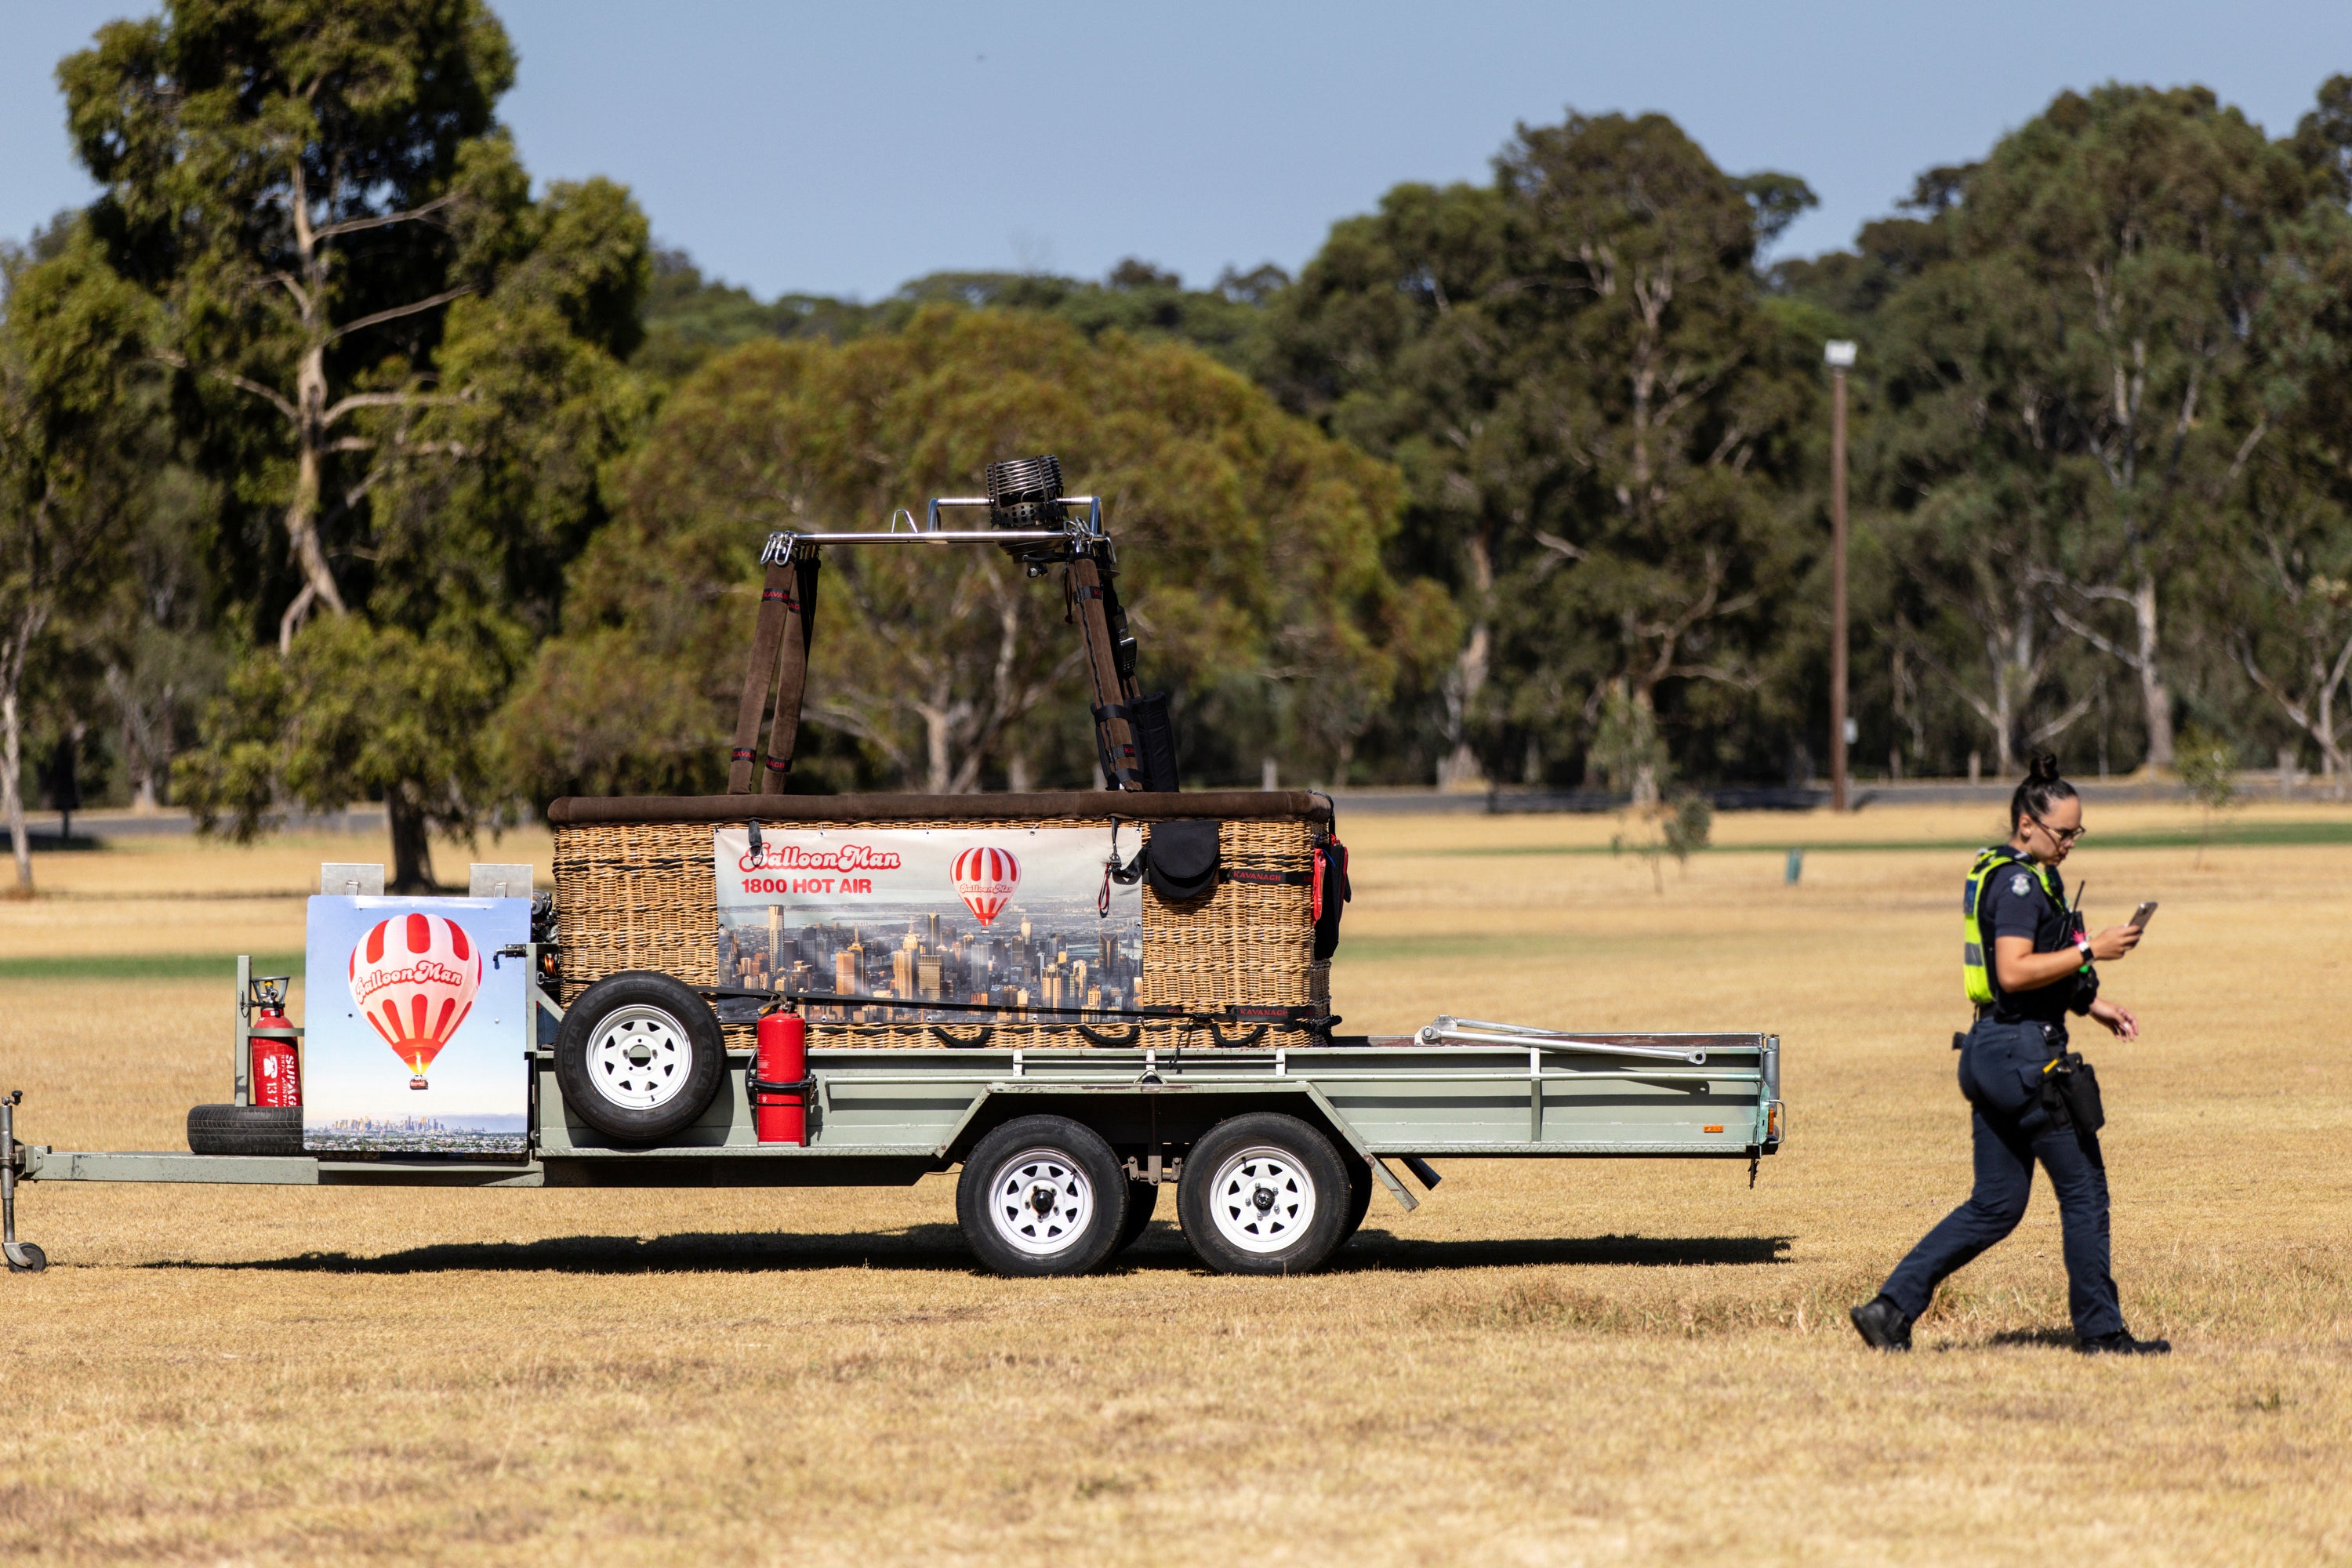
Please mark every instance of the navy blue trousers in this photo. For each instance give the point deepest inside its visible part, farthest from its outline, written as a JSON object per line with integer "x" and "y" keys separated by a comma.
{"x": 2005, "y": 1153}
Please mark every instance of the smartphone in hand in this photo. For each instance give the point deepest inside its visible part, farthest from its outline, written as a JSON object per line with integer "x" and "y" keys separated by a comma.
{"x": 2140, "y": 916}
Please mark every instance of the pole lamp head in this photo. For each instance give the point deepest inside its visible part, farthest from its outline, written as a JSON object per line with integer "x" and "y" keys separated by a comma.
{"x": 1839, "y": 353}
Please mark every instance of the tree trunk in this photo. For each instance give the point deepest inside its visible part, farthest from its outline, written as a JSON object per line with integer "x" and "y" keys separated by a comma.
{"x": 412, "y": 845}
{"x": 937, "y": 740}
{"x": 1459, "y": 768}
{"x": 302, "y": 511}
{"x": 2156, "y": 696}
{"x": 12, "y": 798}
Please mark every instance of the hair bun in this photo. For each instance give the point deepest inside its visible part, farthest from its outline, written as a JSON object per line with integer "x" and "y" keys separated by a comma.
{"x": 2043, "y": 769}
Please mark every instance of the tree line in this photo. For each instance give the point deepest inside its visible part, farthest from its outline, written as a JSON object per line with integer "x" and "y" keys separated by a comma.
{"x": 335, "y": 463}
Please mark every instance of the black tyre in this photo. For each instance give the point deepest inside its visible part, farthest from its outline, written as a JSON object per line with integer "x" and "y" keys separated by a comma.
{"x": 640, "y": 1057}
{"x": 1360, "y": 1194}
{"x": 245, "y": 1129}
{"x": 1263, "y": 1194}
{"x": 1042, "y": 1194}
{"x": 35, "y": 1260}
{"x": 1142, "y": 1201}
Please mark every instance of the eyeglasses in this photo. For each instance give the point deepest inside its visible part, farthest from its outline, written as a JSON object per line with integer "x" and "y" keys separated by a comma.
{"x": 2064, "y": 836}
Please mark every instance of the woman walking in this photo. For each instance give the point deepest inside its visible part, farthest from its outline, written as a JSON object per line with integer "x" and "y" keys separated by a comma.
{"x": 2029, "y": 963}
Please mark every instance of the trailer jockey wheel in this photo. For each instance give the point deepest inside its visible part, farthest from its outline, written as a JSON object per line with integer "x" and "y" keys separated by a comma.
{"x": 1042, "y": 1194}
{"x": 1263, "y": 1194}
{"x": 640, "y": 1057}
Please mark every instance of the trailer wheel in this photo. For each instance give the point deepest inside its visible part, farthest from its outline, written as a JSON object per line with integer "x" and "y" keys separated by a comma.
{"x": 1142, "y": 1200}
{"x": 35, "y": 1260}
{"x": 245, "y": 1129}
{"x": 640, "y": 1057}
{"x": 1042, "y": 1194}
{"x": 1263, "y": 1194}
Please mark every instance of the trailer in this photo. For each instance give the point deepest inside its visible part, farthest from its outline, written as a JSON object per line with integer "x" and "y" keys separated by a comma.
{"x": 656, "y": 1035}
{"x": 1274, "y": 1152}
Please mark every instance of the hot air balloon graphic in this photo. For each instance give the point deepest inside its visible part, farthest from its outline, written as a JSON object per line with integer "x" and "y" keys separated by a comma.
{"x": 986, "y": 877}
{"x": 414, "y": 978}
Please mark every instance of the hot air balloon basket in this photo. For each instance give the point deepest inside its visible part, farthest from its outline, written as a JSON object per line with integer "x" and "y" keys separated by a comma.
{"x": 642, "y": 895}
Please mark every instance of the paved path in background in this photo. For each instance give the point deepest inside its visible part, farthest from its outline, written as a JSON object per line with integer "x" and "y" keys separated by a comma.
{"x": 100, "y": 826}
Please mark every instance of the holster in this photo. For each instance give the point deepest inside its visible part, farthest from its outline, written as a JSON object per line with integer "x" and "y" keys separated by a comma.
{"x": 2076, "y": 1084}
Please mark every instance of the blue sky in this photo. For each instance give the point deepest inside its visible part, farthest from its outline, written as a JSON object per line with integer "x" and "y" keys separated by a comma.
{"x": 844, "y": 148}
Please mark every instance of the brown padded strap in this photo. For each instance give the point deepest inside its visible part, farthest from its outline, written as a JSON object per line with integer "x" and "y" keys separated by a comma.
{"x": 774, "y": 594}
{"x": 791, "y": 672}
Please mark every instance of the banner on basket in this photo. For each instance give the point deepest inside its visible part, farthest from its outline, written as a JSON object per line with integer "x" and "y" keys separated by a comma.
{"x": 414, "y": 1030}
{"x": 1013, "y": 917}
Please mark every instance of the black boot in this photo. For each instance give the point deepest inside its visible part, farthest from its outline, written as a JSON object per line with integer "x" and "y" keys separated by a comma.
{"x": 2121, "y": 1342}
{"x": 1882, "y": 1325}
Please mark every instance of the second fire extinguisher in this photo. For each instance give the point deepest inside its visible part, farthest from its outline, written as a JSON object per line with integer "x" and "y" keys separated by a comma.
{"x": 779, "y": 1080}
{"x": 275, "y": 1046}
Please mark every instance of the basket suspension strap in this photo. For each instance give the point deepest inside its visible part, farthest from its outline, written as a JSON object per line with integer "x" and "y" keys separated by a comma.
{"x": 759, "y": 676}
{"x": 791, "y": 669}
{"x": 1095, "y": 600}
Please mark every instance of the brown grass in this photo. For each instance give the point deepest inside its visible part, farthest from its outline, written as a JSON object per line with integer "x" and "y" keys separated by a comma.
{"x": 1549, "y": 1363}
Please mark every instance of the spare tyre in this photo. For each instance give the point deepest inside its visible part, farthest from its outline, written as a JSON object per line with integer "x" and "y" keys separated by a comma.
{"x": 245, "y": 1129}
{"x": 640, "y": 1057}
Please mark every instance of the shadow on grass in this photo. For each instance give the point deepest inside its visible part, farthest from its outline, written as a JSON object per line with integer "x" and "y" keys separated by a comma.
{"x": 2048, "y": 1339}
{"x": 1384, "y": 1250}
{"x": 940, "y": 1248}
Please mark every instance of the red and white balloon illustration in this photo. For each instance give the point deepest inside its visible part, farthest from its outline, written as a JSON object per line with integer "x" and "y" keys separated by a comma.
{"x": 413, "y": 977}
{"x": 985, "y": 877}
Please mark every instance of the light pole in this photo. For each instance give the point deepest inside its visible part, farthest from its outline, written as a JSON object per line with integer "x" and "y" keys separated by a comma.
{"x": 1840, "y": 355}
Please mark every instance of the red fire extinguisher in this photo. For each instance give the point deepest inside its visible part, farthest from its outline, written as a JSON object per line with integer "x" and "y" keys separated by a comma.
{"x": 276, "y": 1061}
{"x": 779, "y": 1083}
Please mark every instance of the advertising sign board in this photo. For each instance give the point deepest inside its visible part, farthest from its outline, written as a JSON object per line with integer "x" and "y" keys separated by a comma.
{"x": 413, "y": 1026}
{"x": 1017, "y": 917}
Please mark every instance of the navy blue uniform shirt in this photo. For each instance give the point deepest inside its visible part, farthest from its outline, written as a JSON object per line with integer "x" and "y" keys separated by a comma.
{"x": 2015, "y": 905}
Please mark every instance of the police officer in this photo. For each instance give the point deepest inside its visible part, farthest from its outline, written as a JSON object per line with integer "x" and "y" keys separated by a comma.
{"x": 2033, "y": 1100}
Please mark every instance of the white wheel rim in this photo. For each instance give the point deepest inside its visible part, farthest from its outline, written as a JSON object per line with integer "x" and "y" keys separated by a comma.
{"x": 1263, "y": 1200}
{"x": 640, "y": 1057}
{"x": 1040, "y": 1202}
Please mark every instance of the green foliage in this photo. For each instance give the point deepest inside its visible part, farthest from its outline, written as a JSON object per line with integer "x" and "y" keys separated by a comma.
{"x": 354, "y": 709}
{"x": 403, "y": 370}
{"x": 2207, "y": 764}
{"x": 1250, "y": 554}
{"x": 688, "y": 318}
{"x": 1691, "y": 827}
{"x": 77, "y": 458}
{"x": 1595, "y": 416}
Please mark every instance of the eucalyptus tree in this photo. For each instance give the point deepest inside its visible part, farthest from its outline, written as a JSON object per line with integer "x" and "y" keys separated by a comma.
{"x": 76, "y": 449}
{"x": 1595, "y": 411}
{"x": 305, "y": 184}
{"x": 404, "y": 372}
{"x": 1250, "y": 556}
{"x": 2113, "y": 254}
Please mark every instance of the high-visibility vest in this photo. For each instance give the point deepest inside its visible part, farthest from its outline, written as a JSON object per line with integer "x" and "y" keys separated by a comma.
{"x": 1973, "y": 968}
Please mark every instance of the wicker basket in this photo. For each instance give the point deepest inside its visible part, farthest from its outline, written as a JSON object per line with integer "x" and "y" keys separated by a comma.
{"x": 635, "y": 889}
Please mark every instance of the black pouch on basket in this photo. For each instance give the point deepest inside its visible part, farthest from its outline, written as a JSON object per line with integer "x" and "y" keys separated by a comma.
{"x": 1331, "y": 892}
{"x": 2078, "y": 1086}
{"x": 1182, "y": 859}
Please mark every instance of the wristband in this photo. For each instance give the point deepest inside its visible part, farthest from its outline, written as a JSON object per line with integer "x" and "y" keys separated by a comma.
{"x": 2083, "y": 945}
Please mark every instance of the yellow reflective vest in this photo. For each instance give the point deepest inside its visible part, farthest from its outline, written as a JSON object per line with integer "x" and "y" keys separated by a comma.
{"x": 1974, "y": 969}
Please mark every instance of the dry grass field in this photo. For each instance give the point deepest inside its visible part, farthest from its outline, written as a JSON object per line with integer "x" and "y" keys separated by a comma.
{"x": 1549, "y": 1363}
